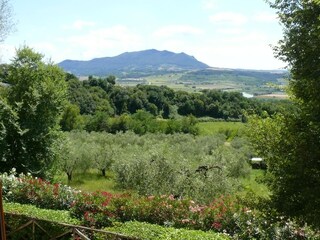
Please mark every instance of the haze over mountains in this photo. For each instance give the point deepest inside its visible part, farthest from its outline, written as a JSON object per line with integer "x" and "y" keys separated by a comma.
{"x": 147, "y": 61}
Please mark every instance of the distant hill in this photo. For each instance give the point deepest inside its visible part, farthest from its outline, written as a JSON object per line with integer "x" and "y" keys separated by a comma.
{"x": 141, "y": 61}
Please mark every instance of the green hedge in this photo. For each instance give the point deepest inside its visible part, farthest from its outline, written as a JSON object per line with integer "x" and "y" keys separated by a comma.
{"x": 147, "y": 231}
{"x": 133, "y": 229}
{"x": 17, "y": 215}
{"x": 31, "y": 211}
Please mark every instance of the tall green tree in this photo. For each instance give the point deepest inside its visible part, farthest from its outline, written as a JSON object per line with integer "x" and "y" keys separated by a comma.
{"x": 292, "y": 152}
{"x": 36, "y": 99}
{"x": 71, "y": 118}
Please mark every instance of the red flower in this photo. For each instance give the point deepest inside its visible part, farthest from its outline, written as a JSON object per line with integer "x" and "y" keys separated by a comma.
{"x": 217, "y": 225}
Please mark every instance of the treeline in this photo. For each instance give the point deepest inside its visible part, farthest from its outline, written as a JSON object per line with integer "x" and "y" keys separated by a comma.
{"x": 98, "y": 104}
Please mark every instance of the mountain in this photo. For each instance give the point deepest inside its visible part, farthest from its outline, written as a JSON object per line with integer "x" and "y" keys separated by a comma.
{"x": 147, "y": 61}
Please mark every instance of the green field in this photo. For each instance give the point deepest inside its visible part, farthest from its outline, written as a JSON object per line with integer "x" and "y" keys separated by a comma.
{"x": 230, "y": 129}
{"x": 253, "y": 82}
{"x": 90, "y": 181}
{"x": 253, "y": 184}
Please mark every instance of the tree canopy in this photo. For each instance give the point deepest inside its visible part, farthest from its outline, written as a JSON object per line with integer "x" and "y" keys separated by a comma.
{"x": 30, "y": 119}
{"x": 290, "y": 143}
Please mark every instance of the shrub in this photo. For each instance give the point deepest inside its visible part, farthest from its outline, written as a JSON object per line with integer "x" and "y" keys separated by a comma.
{"x": 60, "y": 216}
{"x": 154, "y": 232}
{"x": 17, "y": 215}
{"x": 225, "y": 214}
{"x": 93, "y": 209}
{"x": 29, "y": 190}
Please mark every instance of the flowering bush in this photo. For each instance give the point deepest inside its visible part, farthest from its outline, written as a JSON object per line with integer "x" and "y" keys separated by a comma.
{"x": 219, "y": 215}
{"x": 93, "y": 209}
{"x": 101, "y": 209}
{"x": 29, "y": 190}
{"x": 162, "y": 210}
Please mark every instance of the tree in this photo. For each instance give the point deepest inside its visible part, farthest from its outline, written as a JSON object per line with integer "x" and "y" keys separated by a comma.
{"x": 6, "y": 21}
{"x": 36, "y": 98}
{"x": 71, "y": 118}
{"x": 104, "y": 151}
{"x": 11, "y": 144}
{"x": 75, "y": 153}
{"x": 292, "y": 152}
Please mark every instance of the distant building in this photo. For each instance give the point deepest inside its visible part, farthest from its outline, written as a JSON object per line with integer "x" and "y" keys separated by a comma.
{"x": 258, "y": 163}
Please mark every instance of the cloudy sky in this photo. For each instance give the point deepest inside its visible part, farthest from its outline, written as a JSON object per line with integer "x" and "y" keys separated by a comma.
{"x": 220, "y": 33}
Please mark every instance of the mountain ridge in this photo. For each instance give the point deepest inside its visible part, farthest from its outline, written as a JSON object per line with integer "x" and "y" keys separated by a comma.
{"x": 145, "y": 60}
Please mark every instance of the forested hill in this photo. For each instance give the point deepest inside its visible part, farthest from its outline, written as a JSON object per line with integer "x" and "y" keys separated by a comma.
{"x": 147, "y": 61}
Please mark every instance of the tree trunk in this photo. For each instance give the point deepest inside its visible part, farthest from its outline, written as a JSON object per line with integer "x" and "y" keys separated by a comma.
{"x": 69, "y": 177}
{"x": 103, "y": 171}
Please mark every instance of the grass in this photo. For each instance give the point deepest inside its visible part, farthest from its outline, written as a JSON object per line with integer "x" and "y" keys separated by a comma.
{"x": 230, "y": 129}
{"x": 90, "y": 181}
{"x": 252, "y": 184}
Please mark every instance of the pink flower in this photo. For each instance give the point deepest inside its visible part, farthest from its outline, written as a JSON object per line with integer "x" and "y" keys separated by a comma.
{"x": 217, "y": 225}
{"x": 151, "y": 197}
{"x": 185, "y": 220}
{"x": 171, "y": 197}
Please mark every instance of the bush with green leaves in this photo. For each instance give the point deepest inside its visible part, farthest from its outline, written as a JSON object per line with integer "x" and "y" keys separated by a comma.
{"x": 59, "y": 216}
{"x": 225, "y": 214}
{"x": 17, "y": 215}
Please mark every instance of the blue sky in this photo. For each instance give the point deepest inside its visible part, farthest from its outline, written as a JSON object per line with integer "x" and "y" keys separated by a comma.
{"x": 220, "y": 33}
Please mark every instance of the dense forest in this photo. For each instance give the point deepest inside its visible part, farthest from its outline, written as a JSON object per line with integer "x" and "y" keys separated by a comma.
{"x": 100, "y": 104}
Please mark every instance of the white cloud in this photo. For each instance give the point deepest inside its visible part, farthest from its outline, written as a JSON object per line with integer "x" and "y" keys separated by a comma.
{"x": 231, "y": 31}
{"x": 80, "y": 24}
{"x": 102, "y": 42}
{"x": 208, "y": 4}
{"x": 256, "y": 56}
{"x": 172, "y": 30}
{"x": 248, "y": 50}
{"x": 230, "y": 18}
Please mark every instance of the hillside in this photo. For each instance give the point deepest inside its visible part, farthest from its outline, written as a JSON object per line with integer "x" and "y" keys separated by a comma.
{"x": 141, "y": 61}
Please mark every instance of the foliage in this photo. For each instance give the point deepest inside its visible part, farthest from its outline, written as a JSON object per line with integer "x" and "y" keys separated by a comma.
{"x": 71, "y": 118}
{"x": 225, "y": 214}
{"x": 289, "y": 142}
{"x": 98, "y": 95}
{"x": 75, "y": 152}
{"x": 93, "y": 209}
{"x": 17, "y": 215}
{"x": 141, "y": 122}
{"x": 151, "y": 231}
{"x": 200, "y": 167}
{"x": 36, "y": 98}
{"x": 59, "y": 216}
